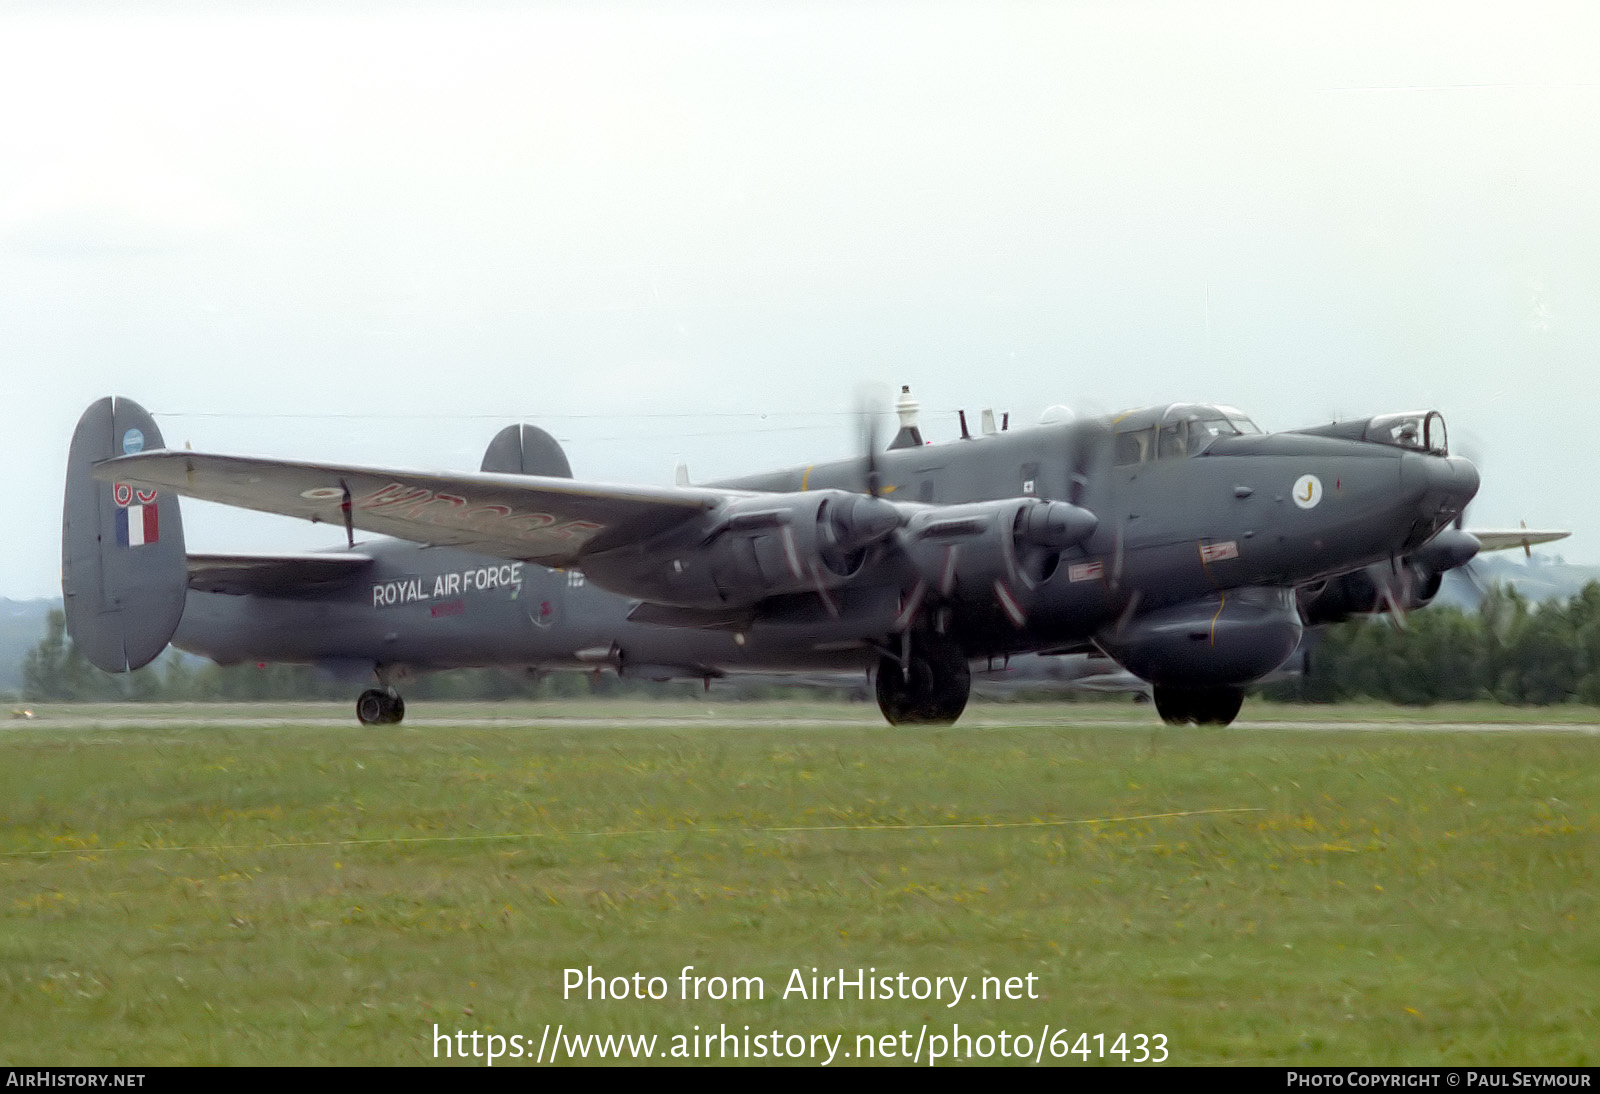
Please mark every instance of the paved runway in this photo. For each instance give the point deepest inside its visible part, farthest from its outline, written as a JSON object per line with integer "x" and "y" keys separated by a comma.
{"x": 863, "y": 717}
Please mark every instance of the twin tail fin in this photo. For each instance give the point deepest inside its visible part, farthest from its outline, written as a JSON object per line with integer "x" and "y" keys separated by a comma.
{"x": 124, "y": 575}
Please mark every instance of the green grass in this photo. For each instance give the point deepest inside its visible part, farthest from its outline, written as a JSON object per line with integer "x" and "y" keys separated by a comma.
{"x": 980, "y": 712}
{"x": 216, "y": 894}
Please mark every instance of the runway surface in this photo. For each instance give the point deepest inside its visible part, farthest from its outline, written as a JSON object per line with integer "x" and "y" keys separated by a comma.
{"x": 867, "y": 718}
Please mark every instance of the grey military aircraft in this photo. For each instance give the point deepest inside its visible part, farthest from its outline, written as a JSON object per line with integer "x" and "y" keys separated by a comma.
{"x": 1180, "y": 541}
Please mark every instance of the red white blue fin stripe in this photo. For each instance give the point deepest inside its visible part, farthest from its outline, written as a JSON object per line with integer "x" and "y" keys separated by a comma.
{"x": 138, "y": 525}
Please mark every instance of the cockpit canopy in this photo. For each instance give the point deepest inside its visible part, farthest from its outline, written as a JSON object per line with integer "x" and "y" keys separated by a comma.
{"x": 1174, "y": 432}
{"x": 1420, "y": 430}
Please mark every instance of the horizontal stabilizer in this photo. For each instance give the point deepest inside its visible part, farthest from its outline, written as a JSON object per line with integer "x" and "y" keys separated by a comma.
{"x": 273, "y": 575}
{"x": 1503, "y": 539}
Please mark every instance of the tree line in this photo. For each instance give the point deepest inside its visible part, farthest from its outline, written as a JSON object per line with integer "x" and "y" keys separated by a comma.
{"x": 1508, "y": 651}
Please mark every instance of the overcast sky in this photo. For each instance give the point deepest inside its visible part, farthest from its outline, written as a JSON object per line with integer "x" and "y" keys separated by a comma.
{"x": 377, "y": 233}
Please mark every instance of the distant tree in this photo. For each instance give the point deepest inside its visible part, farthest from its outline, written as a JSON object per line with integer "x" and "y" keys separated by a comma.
{"x": 180, "y": 681}
{"x": 44, "y": 669}
{"x": 1543, "y": 660}
{"x": 57, "y": 669}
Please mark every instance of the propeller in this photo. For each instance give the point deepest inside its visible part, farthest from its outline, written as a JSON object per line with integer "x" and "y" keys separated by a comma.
{"x": 1395, "y": 592}
{"x": 1415, "y": 578}
{"x": 1093, "y": 446}
{"x": 869, "y": 400}
{"x": 1037, "y": 552}
{"x": 1470, "y": 450}
{"x": 936, "y": 540}
{"x": 1090, "y": 459}
{"x": 850, "y": 529}
{"x": 1470, "y": 572}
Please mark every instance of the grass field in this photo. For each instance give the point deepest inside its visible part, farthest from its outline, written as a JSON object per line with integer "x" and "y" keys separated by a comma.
{"x": 215, "y": 893}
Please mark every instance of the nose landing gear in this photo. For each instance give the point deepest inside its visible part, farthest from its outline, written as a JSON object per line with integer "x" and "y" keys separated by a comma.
{"x": 380, "y": 707}
{"x": 1198, "y": 706}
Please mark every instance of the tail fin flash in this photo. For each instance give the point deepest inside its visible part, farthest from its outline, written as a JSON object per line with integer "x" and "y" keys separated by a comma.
{"x": 526, "y": 450}
{"x": 124, "y": 575}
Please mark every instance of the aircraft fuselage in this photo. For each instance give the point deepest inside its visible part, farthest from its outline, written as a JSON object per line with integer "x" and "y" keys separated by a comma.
{"x": 1274, "y": 510}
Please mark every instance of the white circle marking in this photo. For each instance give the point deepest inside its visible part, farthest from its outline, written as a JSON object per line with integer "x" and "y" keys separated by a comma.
{"x": 1307, "y": 491}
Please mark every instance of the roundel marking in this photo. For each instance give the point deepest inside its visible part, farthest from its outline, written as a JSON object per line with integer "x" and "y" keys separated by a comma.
{"x": 1307, "y": 491}
{"x": 323, "y": 493}
{"x": 133, "y": 441}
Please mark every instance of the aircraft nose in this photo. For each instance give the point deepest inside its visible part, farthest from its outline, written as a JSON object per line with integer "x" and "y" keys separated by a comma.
{"x": 1441, "y": 483}
{"x": 1457, "y": 479}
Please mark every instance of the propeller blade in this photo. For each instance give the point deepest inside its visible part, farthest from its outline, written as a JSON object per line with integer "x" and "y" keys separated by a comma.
{"x": 823, "y": 595}
{"x": 1392, "y": 609}
{"x": 868, "y": 402}
{"x": 1091, "y": 459}
{"x": 1008, "y": 604}
{"x": 1468, "y": 447}
{"x": 1394, "y": 593}
{"x": 1116, "y": 562}
{"x": 1127, "y": 614}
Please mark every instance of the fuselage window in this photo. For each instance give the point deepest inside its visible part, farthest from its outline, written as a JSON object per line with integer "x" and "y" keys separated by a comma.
{"x": 1173, "y": 442}
{"x": 1132, "y": 447}
{"x": 1191, "y": 436}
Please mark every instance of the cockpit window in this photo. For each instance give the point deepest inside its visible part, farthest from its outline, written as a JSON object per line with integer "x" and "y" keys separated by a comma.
{"x": 1173, "y": 442}
{"x": 1179, "y": 431}
{"x": 1417, "y": 429}
{"x": 1191, "y": 436}
{"x": 1215, "y": 427}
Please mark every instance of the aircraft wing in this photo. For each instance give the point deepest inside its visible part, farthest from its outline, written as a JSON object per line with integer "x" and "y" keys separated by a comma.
{"x": 1500, "y": 539}
{"x": 531, "y": 517}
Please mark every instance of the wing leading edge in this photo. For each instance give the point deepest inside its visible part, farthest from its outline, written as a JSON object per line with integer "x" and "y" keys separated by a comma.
{"x": 546, "y": 520}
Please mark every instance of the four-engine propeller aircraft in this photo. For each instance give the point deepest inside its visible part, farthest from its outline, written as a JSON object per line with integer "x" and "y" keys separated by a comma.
{"x": 1180, "y": 541}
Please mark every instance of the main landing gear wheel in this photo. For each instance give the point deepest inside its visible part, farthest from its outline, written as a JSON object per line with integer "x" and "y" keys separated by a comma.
{"x": 932, "y": 689}
{"x": 377, "y": 707}
{"x": 1198, "y": 706}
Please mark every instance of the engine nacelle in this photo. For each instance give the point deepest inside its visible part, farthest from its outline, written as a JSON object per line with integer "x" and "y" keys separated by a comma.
{"x": 1411, "y": 583}
{"x": 1003, "y": 549}
{"x": 750, "y": 549}
{"x": 1227, "y": 639}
